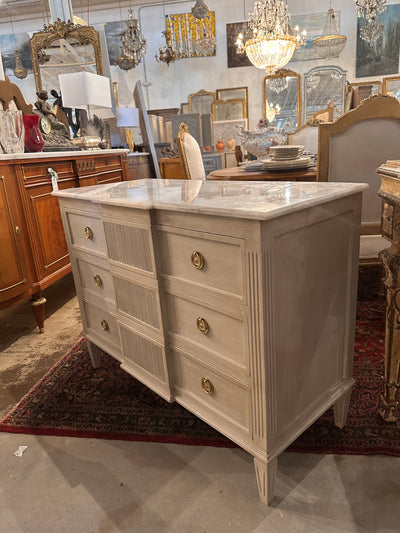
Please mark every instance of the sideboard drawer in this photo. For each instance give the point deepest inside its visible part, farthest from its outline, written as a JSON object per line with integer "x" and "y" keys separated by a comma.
{"x": 39, "y": 171}
{"x": 101, "y": 324}
{"x": 87, "y": 232}
{"x": 223, "y": 336}
{"x": 208, "y": 260}
{"x": 199, "y": 384}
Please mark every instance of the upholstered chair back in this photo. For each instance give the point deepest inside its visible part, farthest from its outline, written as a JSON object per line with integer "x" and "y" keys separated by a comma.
{"x": 306, "y": 136}
{"x": 190, "y": 154}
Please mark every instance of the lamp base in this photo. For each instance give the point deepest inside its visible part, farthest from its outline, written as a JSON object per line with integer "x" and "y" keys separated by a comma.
{"x": 129, "y": 139}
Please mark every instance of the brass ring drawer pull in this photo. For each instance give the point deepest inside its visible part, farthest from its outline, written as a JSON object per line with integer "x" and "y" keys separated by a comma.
{"x": 197, "y": 260}
{"x": 98, "y": 281}
{"x": 202, "y": 325}
{"x": 89, "y": 233}
{"x": 104, "y": 325}
{"x": 207, "y": 386}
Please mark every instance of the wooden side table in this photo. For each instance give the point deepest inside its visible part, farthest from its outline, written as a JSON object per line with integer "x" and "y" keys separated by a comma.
{"x": 171, "y": 168}
{"x": 390, "y": 192}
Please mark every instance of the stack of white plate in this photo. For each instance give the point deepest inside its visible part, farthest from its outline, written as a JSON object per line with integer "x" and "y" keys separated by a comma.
{"x": 286, "y": 152}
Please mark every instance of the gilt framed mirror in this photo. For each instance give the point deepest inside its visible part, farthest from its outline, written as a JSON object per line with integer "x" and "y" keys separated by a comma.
{"x": 201, "y": 102}
{"x": 282, "y": 99}
{"x": 322, "y": 84}
{"x": 64, "y": 47}
{"x": 391, "y": 86}
{"x": 234, "y": 93}
{"x": 356, "y": 92}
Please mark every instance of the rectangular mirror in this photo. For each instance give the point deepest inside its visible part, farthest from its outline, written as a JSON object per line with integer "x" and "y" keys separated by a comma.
{"x": 229, "y": 110}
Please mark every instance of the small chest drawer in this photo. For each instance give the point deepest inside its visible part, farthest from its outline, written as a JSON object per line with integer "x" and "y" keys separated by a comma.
{"x": 217, "y": 394}
{"x": 207, "y": 260}
{"x": 95, "y": 281}
{"x": 39, "y": 171}
{"x": 223, "y": 336}
{"x": 101, "y": 324}
{"x": 87, "y": 232}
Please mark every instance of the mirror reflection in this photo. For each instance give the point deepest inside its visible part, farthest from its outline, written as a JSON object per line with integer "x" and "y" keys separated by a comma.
{"x": 391, "y": 86}
{"x": 322, "y": 84}
{"x": 282, "y": 99}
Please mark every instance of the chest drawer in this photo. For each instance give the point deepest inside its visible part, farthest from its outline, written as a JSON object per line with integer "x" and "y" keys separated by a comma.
{"x": 217, "y": 338}
{"x": 216, "y": 396}
{"x": 206, "y": 260}
{"x": 87, "y": 232}
{"x": 95, "y": 281}
{"x": 101, "y": 325}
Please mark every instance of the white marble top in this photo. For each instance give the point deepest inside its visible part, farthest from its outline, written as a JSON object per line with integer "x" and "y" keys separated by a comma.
{"x": 254, "y": 200}
{"x": 53, "y": 155}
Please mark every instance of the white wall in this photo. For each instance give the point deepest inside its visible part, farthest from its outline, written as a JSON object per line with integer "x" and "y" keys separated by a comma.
{"x": 170, "y": 86}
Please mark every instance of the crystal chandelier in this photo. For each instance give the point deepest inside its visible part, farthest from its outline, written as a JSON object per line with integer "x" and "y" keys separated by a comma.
{"x": 168, "y": 54}
{"x": 205, "y": 45}
{"x": 279, "y": 84}
{"x": 370, "y": 9}
{"x": 273, "y": 42}
{"x": 330, "y": 44}
{"x": 133, "y": 45}
{"x": 371, "y": 31}
{"x": 200, "y": 10}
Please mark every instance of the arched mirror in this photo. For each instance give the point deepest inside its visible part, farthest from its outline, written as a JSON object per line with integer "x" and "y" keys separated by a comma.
{"x": 282, "y": 99}
{"x": 322, "y": 84}
{"x": 63, "y": 47}
{"x": 391, "y": 86}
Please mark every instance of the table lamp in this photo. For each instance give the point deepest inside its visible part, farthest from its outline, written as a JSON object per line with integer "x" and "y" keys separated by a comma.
{"x": 128, "y": 118}
{"x": 85, "y": 90}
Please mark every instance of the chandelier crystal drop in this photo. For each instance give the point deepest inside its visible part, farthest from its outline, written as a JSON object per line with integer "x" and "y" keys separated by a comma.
{"x": 330, "y": 44}
{"x": 274, "y": 41}
{"x": 200, "y": 10}
{"x": 133, "y": 44}
{"x": 370, "y": 9}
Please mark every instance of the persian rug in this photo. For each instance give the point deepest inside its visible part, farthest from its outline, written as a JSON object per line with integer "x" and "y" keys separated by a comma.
{"x": 73, "y": 399}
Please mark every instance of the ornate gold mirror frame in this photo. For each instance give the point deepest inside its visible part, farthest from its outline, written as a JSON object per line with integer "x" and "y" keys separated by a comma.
{"x": 376, "y": 88}
{"x": 201, "y": 102}
{"x": 40, "y": 41}
{"x": 273, "y": 97}
{"x": 386, "y": 86}
{"x": 234, "y": 93}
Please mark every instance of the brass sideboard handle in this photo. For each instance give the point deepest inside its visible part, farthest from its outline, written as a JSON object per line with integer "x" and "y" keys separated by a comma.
{"x": 202, "y": 325}
{"x": 197, "y": 260}
{"x": 104, "y": 325}
{"x": 89, "y": 233}
{"x": 17, "y": 230}
{"x": 207, "y": 386}
{"x": 98, "y": 281}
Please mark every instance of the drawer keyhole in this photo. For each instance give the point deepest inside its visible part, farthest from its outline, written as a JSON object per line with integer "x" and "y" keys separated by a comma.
{"x": 104, "y": 325}
{"x": 202, "y": 325}
{"x": 197, "y": 260}
{"x": 207, "y": 386}
{"x": 98, "y": 281}
{"x": 89, "y": 233}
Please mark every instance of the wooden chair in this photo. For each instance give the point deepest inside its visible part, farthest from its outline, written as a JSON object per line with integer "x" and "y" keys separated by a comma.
{"x": 190, "y": 154}
{"x": 352, "y": 148}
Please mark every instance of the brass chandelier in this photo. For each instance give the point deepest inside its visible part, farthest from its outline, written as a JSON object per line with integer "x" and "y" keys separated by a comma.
{"x": 133, "y": 44}
{"x": 273, "y": 41}
{"x": 167, "y": 54}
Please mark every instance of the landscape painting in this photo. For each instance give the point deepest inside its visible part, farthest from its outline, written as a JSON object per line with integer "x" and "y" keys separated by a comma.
{"x": 382, "y": 56}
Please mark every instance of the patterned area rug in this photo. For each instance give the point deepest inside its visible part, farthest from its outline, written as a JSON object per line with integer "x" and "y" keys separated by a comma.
{"x": 74, "y": 400}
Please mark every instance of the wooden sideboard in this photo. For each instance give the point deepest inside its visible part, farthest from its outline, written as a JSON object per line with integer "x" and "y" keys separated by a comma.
{"x": 236, "y": 300}
{"x": 33, "y": 252}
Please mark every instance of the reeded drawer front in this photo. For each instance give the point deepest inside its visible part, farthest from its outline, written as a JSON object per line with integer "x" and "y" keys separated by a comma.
{"x": 220, "y": 334}
{"x": 217, "y": 393}
{"x": 95, "y": 280}
{"x": 87, "y": 232}
{"x": 141, "y": 303}
{"x": 213, "y": 262}
{"x": 101, "y": 323}
{"x": 129, "y": 245}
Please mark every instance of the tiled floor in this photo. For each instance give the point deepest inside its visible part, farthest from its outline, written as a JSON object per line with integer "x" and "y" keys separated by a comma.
{"x": 91, "y": 485}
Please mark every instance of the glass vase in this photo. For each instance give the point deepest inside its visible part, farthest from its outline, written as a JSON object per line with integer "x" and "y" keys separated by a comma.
{"x": 33, "y": 138}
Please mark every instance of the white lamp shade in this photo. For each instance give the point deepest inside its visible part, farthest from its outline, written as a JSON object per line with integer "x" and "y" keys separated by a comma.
{"x": 83, "y": 89}
{"x": 127, "y": 117}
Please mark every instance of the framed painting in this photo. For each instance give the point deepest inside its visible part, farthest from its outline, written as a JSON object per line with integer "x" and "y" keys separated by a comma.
{"x": 233, "y": 58}
{"x": 382, "y": 56}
